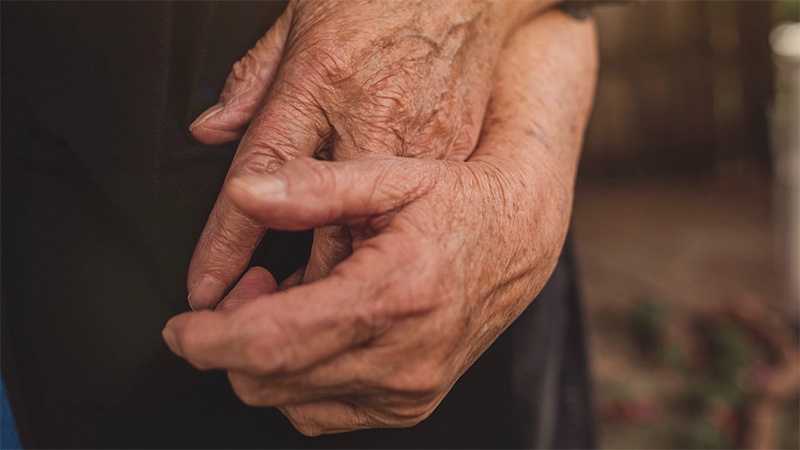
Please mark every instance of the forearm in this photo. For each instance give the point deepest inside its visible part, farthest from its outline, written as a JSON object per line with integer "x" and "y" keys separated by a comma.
{"x": 528, "y": 155}
{"x": 542, "y": 97}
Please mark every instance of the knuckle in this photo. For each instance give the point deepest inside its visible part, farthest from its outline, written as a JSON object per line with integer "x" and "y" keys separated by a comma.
{"x": 392, "y": 94}
{"x": 244, "y": 390}
{"x": 300, "y": 421}
{"x": 322, "y": 176}
{"x": 247, "y": 396}
{"x": 411, "y": 299}
{"x": 261, "y": 157}
{"x": 424, "y": 381}
{"x": 306, "y": 429}
{"x": 325, "y": 61}
{"x": 409, "y": 415}
{"x": 246, "y": 69}
{"x": 269, "y": 147}
{"x": 244, "y": 73}
{"x": 428, "y": 381}
{"x": 263, "y": 358}
{"x": 271, "y": 352}
{"x": 412, "y": 416}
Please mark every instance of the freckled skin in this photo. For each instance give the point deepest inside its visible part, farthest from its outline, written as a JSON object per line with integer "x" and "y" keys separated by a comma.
{"x": 445, "y": 254}
{"x": 342, "y": 79}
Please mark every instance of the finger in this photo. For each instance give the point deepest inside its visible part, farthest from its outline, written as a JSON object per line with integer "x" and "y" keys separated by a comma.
{"x": 327, "y": 417}
{"x": 255, "y": 283}
{"x": 283, "y": 332}
{"x": 306, "y": 193}
{"x": 289, "y": 331}
{"x": 284, "y": 128}
{"x": 331, "y": 245}
{"x": 222, "y": 253}
{"x": 245, "y": 88}
{"x": 293, "y": 280}
{"x": 352, "y": 373}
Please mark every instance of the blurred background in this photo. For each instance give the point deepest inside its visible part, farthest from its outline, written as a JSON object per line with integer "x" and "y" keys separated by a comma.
{"x": 686, "y": 225}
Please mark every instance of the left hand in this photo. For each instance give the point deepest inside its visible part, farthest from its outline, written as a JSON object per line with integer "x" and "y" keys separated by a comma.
{"x": 340, "y": 79}
{"x": 446, "y": 255}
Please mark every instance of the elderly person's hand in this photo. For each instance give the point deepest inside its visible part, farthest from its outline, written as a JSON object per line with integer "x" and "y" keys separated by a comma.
{"x": 339, "y": 79}
{"x": 446, "y": 254}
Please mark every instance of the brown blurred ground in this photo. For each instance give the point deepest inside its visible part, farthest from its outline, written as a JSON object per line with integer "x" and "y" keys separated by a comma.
{"x": 678, "y": 232}
{"x": 690, "y": 247}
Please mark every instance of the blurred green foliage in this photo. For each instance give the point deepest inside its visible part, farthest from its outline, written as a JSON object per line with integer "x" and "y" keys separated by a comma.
{"x": 790, "y": 428}
{"x": 715, "y": 362}
{"x": 703, "y": 434}
{"x": 648, "y": 324}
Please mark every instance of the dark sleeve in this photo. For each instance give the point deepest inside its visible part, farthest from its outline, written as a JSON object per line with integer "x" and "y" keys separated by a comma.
{"x": 580, "y": 9}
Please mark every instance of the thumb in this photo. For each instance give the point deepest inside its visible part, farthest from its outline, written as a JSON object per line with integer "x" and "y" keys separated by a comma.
{"x": 245, "y": 88}
{"x": 306, "y": 193}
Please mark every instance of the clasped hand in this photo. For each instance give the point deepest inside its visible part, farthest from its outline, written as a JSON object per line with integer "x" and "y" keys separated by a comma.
{"x": 438, "y": 256}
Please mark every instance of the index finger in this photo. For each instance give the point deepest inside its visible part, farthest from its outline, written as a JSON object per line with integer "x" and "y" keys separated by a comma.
{"x": 294, "y": 329}
{"x": 286, "y": 127}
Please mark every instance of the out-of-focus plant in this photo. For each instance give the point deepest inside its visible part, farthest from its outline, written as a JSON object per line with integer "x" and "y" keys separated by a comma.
{"x": 648, "y": 324}
{"x": 703, "y": 434}
{"x": 733, "y": 360}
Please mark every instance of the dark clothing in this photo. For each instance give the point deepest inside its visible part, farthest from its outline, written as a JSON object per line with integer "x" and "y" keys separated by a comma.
{"x": 104, "y": 195}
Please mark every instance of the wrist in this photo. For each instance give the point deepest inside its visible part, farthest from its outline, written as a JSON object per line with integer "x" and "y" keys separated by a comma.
{"x": 512, "y": 14}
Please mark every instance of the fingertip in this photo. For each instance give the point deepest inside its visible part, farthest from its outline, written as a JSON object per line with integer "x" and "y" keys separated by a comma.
{"x": 243, "y": 196}
{"x": 205, "y": 293}
{"x": 211, "y": 136}
{"x": 265, "y": 186}
{"x": 239, "y": 189}
{"x": 171, "y": 339}
{"x": 260, "y": 277}
{"x": 209, "y": 113}
{"x": 255, "y": 283}
{"x": 220, "y": 124}
{"x": 250, "y": 192}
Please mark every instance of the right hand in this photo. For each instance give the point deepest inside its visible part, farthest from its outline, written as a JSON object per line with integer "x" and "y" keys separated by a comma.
{"x": 454, "y": 252}
{"x": 340, "y": 79}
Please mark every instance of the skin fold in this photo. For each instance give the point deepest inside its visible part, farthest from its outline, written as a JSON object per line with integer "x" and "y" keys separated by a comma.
{"x": 445, "y": 254}
{"x": 342, "y": 79}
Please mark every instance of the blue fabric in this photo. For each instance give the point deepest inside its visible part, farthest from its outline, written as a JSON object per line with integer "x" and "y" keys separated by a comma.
{"x": 9, "y": 438}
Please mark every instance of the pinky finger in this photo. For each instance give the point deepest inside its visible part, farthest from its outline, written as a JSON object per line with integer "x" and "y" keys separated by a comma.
{"x": 327, "y": 417}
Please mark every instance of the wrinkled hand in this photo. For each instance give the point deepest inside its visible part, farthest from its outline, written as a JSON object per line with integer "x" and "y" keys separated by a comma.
{"x": 446, "y": 255}
{"x": 340, "y": 79}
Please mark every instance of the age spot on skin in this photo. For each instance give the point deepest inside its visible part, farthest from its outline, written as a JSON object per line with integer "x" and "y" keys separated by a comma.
{"x": 535, "y": 131}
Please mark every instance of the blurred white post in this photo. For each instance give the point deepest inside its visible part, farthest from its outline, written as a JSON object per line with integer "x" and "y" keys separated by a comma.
{"x": 784, "y": 119}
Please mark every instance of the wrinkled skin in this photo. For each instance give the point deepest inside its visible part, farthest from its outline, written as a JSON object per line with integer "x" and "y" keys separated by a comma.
{"x": 446, "y": 254}
{"x": 341, "y": 79}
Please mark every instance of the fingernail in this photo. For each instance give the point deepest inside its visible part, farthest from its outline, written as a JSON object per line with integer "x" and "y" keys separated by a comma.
{"x": 171, "y": 340}
{"x": 206, "y": 292}
{"x": 210, "y": 112}
{"x": 265, "y": 185}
